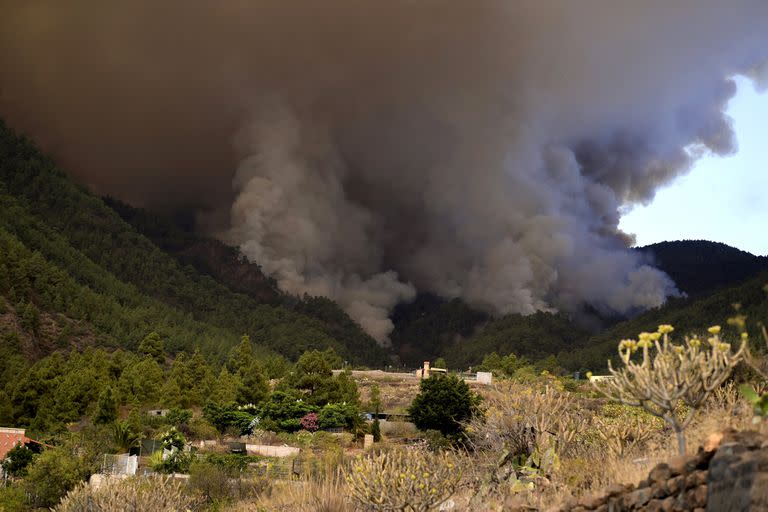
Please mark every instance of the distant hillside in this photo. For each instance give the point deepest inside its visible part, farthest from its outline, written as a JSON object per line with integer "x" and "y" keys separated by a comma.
{"x": 691, "y": 315}
{"x": 207, "y": 255}
{"x": 431, "y": 327}
{"x": 67, "y": 253}
{"x": 699, "y": 267}
{"x": 534, "y": 337}
{"x": 426, "y": 327}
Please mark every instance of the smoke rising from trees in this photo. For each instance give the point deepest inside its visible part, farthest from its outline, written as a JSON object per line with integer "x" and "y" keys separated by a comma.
{"x": 364, "y": 150}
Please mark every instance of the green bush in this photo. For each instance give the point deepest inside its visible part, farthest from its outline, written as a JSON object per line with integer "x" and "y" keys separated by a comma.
{"x": 16, "y": 461}
{"x": 444, "y": 403}
{"x": 339, "y": 415}
{"x": 12, "y": 498}
{"x": 226, "y": 416}
{"x": 52, "y": 474}
{"x": 283, "y": 411}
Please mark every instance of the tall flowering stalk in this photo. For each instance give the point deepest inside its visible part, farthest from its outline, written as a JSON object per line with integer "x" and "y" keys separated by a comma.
{"x": 667, "y": 375}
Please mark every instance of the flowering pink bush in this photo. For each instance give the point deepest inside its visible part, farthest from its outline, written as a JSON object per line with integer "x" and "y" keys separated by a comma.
{"x": 309, "y": 422}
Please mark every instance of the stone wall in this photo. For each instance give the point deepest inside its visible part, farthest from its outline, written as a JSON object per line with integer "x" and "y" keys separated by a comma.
{"x": 730, "y": 474}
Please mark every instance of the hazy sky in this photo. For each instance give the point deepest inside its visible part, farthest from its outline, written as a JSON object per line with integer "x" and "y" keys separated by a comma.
{"x": 724, "y": 199}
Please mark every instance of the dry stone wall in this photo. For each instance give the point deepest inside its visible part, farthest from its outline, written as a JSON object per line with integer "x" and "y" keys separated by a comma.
{"x": 728, "y": 475}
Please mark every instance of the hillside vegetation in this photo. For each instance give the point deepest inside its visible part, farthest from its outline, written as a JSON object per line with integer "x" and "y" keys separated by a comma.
{"x": 699, "y": 267}
{"x": 70, "y": 254}
{"x": 687, "y": 315}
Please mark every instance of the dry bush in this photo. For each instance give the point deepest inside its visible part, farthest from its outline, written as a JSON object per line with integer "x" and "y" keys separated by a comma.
{"x": 327, "y": 495}
{"x": 398, "y": 428}
{"x": 403, "y": 480}
{"x": 622, "y": 437}
{"x": 520, "y": 441}
{"x": 158, "y": 494}
{"x": 522, "y": 420}
{"x": 218, "y": 484}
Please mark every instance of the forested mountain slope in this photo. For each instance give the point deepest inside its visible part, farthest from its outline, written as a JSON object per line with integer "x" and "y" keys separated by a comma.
{"x": 114, "y": 279}
{"x": 686, "y": 315}
{"x": 699, "y": 267}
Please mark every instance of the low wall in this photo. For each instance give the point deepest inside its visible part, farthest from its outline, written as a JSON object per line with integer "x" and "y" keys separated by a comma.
{"x": 731, "y": 475}
{"x": 271, "y": 451}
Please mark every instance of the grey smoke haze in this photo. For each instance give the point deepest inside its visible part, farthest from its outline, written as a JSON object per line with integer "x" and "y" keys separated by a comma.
{"x": 363, "y": 150}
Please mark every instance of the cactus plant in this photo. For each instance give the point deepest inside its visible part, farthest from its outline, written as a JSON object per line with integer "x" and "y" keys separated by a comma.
{"x": 668, "y": 374}
{"x": 403, "y": 480}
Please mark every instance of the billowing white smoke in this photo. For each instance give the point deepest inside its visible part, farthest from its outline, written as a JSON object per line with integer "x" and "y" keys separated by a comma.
{"x": 477, "y": 149}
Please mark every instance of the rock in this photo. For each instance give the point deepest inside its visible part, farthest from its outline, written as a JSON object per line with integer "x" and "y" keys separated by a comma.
{"x": 749, "y": 439}
{"x": 616, "y": 489}
{"x": 660, "y": 473}
{"x": 659, "y": 490}
{"x": 637, "y": 499}
{"x": 738, "y": 475}
{"x": 676, "y": 484}
{"x": 678, "y": 465}
{"x": 697, "y": 497}
{"x": 695, "y": 479}
{"x": 668, "y": 504}
{"x": 592, "y": 501}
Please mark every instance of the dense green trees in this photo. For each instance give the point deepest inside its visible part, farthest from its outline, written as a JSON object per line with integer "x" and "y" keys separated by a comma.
{"x": 70, "y": 254}
{"x": 444, "y": 403}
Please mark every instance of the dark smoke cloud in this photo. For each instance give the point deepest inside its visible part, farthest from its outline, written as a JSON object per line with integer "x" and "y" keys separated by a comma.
{"x": 477, "y": 149}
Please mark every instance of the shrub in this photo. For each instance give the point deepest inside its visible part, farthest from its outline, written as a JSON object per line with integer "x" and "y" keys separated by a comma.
{"x": 12, "y": 498}
{"x": 324, "y": 495}
{"x": 444, "y": 403}
{"x": 402, "y": 480}
{"x": 176, "y": 462}
{"x": 376, "y": 430}
{"x": 177, "y": 417}
{"x": 339, "y": 415}
{"x": 16, "y": 460}
{"x": 158, "y": 494}
{"x": 52, "y": 474}
{"x": 219, "y": 483}
{"x": 309, "y": 422}
{"x": 226, "y": 416}
{"x": 675, "y": 374}
{"x": 283, "y": 412}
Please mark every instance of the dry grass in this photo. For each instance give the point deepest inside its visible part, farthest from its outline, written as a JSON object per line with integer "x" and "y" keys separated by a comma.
{"x": 326, "y": 495}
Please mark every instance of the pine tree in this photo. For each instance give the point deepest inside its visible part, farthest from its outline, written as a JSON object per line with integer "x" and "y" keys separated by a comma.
{"x": 106, "y": 407}
{"x": 152, "y": 346}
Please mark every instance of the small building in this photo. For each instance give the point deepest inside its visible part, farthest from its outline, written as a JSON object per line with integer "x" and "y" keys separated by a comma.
{"x": 600, "y": 378}
{"x": 425, "y": 371}
{"x": 9, "y": 438}
{"x": 158, "y": 412}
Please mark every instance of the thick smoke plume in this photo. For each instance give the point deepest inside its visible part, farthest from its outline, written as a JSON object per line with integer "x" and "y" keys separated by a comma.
{"x": 476, "y": 149}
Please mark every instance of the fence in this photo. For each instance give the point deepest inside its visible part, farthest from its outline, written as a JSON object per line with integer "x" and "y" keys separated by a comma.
{"x": 122, "y": 464}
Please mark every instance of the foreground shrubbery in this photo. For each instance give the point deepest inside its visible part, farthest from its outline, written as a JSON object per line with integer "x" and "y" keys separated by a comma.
{"x": 407, "y": 480}
{"x": 156, "y": 494}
